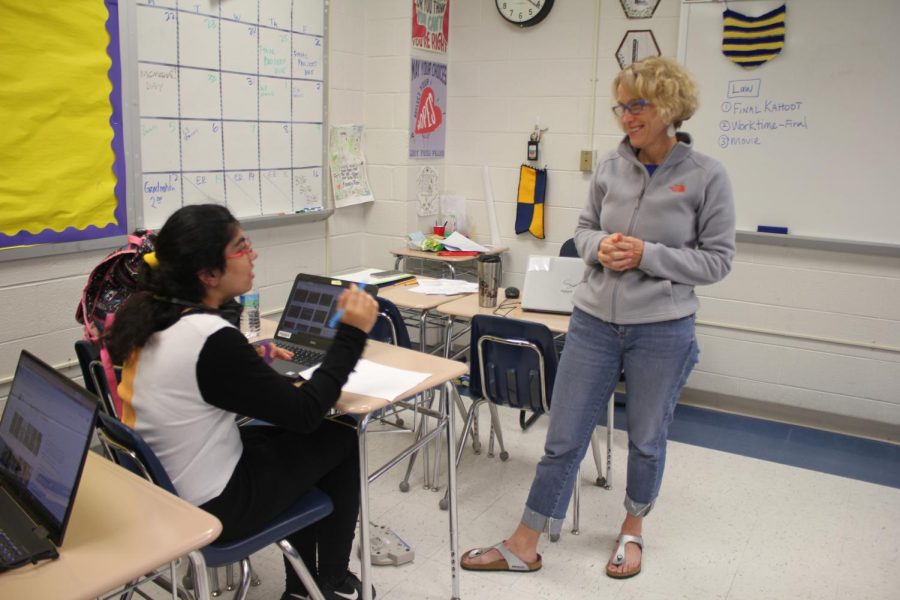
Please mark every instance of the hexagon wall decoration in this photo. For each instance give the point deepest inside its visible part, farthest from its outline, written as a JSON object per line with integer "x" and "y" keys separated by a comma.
{"x": 637, "y": 44}
{"x": 639, "y": 9}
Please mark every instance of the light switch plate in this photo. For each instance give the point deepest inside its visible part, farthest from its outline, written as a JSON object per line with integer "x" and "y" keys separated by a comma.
{"x": 587, "y": 161}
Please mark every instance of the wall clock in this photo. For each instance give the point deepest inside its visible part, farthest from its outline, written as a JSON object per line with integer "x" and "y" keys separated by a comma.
{"x": 524, "y": 13}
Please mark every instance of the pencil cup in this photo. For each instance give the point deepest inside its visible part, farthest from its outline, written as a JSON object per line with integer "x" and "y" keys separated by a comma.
{"x": 439, "y": 230}
{"x": 488, "y": 279}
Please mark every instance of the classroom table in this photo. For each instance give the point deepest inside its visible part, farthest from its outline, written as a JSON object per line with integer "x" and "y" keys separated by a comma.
{"x": 121, "y": 528}
{"x": 421, "y": 304}
{"x": 365, "y": 408}
{"x": 467, "y": 307}
{"x": 451, "y": 262}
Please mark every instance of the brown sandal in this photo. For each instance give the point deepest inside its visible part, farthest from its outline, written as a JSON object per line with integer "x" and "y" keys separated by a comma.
{"x": 619, "y": 556}
{"x": 507, "y": 561}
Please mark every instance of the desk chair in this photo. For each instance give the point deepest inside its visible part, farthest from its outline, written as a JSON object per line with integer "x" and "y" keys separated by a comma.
{"x": 513, "y": 363}
{"x": 391, "y": 329}
{"x": 94, "y": 374}
{"x": 131, "y": 452}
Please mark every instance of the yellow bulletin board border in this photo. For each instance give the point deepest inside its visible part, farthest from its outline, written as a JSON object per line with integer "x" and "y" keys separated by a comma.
{"x": 62, "y": 146}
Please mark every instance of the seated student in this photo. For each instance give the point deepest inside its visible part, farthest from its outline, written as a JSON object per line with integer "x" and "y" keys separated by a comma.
{"x": 188, "y": 372}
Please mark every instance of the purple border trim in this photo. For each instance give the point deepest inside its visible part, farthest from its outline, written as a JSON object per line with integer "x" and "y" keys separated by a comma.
{"x": 69, "y": 234}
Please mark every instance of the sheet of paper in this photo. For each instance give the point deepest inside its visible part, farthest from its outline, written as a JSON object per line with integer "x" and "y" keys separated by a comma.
{"x": 444, "y": 287}
{"x": 377, "y": 380}
{"x": 457, "y": 241}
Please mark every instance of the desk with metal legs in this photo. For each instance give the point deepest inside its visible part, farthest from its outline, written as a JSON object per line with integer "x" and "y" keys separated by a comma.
{"x": 442, "y": 372}
{"x": 422, "y": 305}
{"x": 121, "y": 528}
{"x": 451, "y": 262}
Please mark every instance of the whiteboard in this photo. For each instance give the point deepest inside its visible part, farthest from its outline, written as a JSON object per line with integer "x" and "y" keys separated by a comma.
{"x": 228, "y": 106}
{"x": 809, "y": 138}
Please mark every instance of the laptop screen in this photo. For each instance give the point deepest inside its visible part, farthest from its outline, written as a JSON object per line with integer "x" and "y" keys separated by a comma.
{"x": 45, "y": 434}
{"x": 310, "y": 307}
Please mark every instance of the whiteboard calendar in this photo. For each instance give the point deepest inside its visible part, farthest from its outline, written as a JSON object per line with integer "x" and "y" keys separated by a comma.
{"x": 231, "y": 102}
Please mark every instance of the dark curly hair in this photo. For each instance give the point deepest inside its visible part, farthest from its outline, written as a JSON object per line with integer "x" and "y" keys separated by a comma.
{"x": 192, "y": 241}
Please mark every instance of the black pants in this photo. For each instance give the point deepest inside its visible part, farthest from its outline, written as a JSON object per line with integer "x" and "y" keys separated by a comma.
{"x": 277, "y": 467}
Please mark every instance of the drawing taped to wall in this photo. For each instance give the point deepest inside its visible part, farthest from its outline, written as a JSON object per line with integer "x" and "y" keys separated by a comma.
{"x": 427, "y": 192}
{"x": 347, "y": 162}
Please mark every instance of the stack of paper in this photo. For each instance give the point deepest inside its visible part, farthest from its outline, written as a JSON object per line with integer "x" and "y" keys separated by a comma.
{"x": 445, "y": 287}
{"x": 379, "y": 277}
{"x": 457, "y": 241}
{"x": 380, "y": 381}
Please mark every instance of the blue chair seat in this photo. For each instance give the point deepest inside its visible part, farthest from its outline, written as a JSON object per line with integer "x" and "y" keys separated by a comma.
{"x": 131, "y": 452}
{"x": 311, "y": 507}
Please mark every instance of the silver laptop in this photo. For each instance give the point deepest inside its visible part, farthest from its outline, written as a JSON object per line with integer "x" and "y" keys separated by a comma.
{"x": 45, "y": 433}
{"x": 550, "y": 283}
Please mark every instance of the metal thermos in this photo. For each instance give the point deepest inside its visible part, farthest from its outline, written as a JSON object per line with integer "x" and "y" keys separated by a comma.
{"x": 488, "y": 279}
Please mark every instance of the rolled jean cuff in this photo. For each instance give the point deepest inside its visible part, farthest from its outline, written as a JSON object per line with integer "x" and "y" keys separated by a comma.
{"x": 539, "y": 522}
{"x": 637, "y": 509}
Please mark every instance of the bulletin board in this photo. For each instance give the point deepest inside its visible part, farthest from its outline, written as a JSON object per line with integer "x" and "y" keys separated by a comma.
{"x": 118, "y": 112}
{"x": 62, "y": 175}
{"x": 808, "y": 137}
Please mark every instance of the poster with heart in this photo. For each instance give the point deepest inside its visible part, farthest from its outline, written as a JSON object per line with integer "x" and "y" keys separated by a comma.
{"x": 428, "y": 103}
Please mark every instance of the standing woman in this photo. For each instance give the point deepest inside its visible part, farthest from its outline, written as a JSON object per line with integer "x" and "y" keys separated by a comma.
{"x": 189, "y": 372}
{"x": 659, "y": 221}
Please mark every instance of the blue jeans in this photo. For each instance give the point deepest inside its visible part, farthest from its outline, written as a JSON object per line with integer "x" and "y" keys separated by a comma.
{"x": 657, "y": 359}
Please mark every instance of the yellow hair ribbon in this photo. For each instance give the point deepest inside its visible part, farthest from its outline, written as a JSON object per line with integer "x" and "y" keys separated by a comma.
{"x": 150, "y": 259}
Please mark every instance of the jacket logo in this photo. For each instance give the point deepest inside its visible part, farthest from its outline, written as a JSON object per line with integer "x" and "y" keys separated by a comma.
{"x": 678, "y": 187}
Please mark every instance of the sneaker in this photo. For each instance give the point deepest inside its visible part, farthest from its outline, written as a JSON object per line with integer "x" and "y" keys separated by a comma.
{"x": 348, "y": 588}
{"x": 295, "y": 596}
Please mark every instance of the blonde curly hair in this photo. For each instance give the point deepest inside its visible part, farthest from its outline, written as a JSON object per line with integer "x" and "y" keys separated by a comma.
{"x": 662, "y": 82}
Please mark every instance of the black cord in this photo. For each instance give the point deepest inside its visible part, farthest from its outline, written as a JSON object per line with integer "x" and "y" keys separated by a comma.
{"x": 508, "y": 306}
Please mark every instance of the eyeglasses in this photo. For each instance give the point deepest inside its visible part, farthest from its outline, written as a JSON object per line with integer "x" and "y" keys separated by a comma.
{"x": 635, "y": 107}
{"x": 246, "y": 249}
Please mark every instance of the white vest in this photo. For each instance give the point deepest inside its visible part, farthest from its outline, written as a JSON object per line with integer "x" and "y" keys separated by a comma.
{"x": 198, "y": 444}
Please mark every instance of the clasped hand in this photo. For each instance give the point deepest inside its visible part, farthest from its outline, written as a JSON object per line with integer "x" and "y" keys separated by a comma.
{"x": 619, "y": 252}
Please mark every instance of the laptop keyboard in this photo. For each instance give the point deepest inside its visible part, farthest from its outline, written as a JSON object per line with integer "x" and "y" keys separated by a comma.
{"x": 9, "y": 552}
{"x": 302, "y": 356}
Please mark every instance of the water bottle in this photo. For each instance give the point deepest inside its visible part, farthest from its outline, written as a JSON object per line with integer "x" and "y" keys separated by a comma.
{"x": 250, "y": 314}
{"x": 488, "y": 279}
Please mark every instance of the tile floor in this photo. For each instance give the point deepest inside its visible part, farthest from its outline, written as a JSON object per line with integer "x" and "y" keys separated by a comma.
{"x": 728, "y": 525}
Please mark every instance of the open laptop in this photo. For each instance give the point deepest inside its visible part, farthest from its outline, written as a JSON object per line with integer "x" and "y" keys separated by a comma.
{"x": 45, "y": 433}
{"x": 307, "y": 325}
{"x": 550, "y": 283}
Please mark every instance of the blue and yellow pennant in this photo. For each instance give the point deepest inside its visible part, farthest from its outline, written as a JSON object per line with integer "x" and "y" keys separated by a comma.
{"x": 530, "y": 201}
{"x": 751, "y": 41}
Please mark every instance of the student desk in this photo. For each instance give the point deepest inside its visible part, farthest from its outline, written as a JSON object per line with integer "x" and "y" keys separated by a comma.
{"x": 467, "y": 307}
{"x": 451, "y": 262}
{"x": 442, "y": 372}
{"x": 421, "y": 304}
{"x": 121, "y": 528}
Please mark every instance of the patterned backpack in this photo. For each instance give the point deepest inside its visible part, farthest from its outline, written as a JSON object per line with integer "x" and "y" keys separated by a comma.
{"x": 110, "y": 283}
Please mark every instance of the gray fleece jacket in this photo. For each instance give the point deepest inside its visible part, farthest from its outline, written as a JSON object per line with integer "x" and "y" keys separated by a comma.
{"x": 684, "y": 214}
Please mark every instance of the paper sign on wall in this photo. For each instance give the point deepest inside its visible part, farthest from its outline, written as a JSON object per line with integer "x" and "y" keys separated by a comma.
{"x": 428, "y": 100}
{"x": 348, "y": 166}
{"x": 431, "y": 25}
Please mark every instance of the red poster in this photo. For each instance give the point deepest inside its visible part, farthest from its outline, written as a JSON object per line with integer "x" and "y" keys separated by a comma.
{"x": 431, "y": 25}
